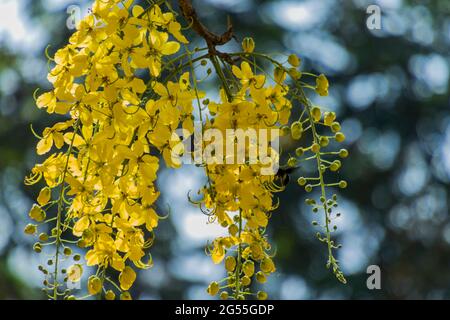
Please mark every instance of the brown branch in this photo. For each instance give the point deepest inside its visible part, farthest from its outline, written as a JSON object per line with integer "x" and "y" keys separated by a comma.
{"x": 212, "y": 39}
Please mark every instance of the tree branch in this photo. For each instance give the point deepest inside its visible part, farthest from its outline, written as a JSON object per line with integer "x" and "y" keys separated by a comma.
{"x": 212, "y": 39}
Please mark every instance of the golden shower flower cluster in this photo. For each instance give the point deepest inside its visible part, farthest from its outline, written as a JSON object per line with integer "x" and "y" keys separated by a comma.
{"x": 102, "y": 186}
{"x": 123, "y": 86}
{"x": 237, "y": 194}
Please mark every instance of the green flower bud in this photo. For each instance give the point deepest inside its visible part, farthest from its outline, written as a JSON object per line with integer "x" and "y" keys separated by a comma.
{"x": 301, "y": 181}
{"x": 294, "y": 73}
{"x": 261, "y": 295}
{"x": 43, "y": 237}
{"x": 342, "y": 184}
{"x": 245, "y": 281}
{"x": 213, "y": 288}
{"x": 343, "y": 153}
{"x": 339, "y": 137}
{"x": 30, "y": 229}
{"x": 315, "y": 148}
{"x": 67, "y": 251}
{"x": 324, "y": 141}
{"x": 335, "y": 127}
{"x": 316, "y": 114}
{"x": 224, "y": 295}
{"x": 37, "y": 247}
{"x": 110, "y": 295}
{"x": 284, "y": 131}
{"x": 299, "y": 152}
{"x": 292, "y": 162}
{"x": 261, "y": 277}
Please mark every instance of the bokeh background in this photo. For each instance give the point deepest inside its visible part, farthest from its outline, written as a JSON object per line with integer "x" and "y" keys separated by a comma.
{"x": 390, "y": 89}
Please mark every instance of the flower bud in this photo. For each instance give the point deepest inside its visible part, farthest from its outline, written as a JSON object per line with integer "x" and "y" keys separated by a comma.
{"x": 67, "y": 251}
{"x": 125, "y": 296}
{"x": 248, "y": 45}
{"x": 322, "y": 85}
{"x": 43, "y": 237}
{"x": 339, "y": 137}
{"x": 94, "y": 285}
{"x": 284, "y": 131}
{"x": 301, "y": 181}
{"x": 230, "y": 263}
{"x": 343, "y": 153}
{"x": 324, "y": 141}
{"x": 267, "y": 265}
{"x": 36, "y": 213}
{"x": 245, "y": 281}
{"x": 315, "y": 148}
{"x": 233, "y": 230}
{"x": 213, "y": 288}
{"x": 292, "y": 162}
{"x": 294, "y": 60}
{"x": 328, "y": 118}
{"x": 296, "y": 130}
{"x": 110, "y": 295}
{"x": 30, "y": 229}
{"x": 335, "y": 165}
{"x": 261, "y": 277}
{"x": 279, "y": 75}
{"x": 294, "y": 73}
{"x": 316, "y": 114}
{"x": 44, "y": 196}
{"x": 37, "y": 247}
{"x": 342, "y": 184}
{"x": 261, "y": 295}
{"x": 335, "y": 127}
{"x": 224, "y": 295}
{"x": 249, "y": 268}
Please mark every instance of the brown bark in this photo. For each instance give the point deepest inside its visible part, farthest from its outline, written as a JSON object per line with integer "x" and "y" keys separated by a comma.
{"x": 212, "y": 39}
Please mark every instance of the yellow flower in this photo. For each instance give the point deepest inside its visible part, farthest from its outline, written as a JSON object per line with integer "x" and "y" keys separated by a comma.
{"x": 248, "y": 79}
{"x": 150, "y": 54}
{"x": 52, "y": 136}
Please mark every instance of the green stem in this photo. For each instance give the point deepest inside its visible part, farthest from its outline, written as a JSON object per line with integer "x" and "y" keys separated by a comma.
{"x": 219, "y": 71}
{"x": 59, "y": 215}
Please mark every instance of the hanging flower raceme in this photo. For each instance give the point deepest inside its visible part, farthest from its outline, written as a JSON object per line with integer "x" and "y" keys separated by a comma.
{"x": 101, "y": 188}
{"x": 126, "y": 89}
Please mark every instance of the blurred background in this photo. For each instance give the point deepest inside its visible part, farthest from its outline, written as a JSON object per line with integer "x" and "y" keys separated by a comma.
{"x": 389, "y": 87}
